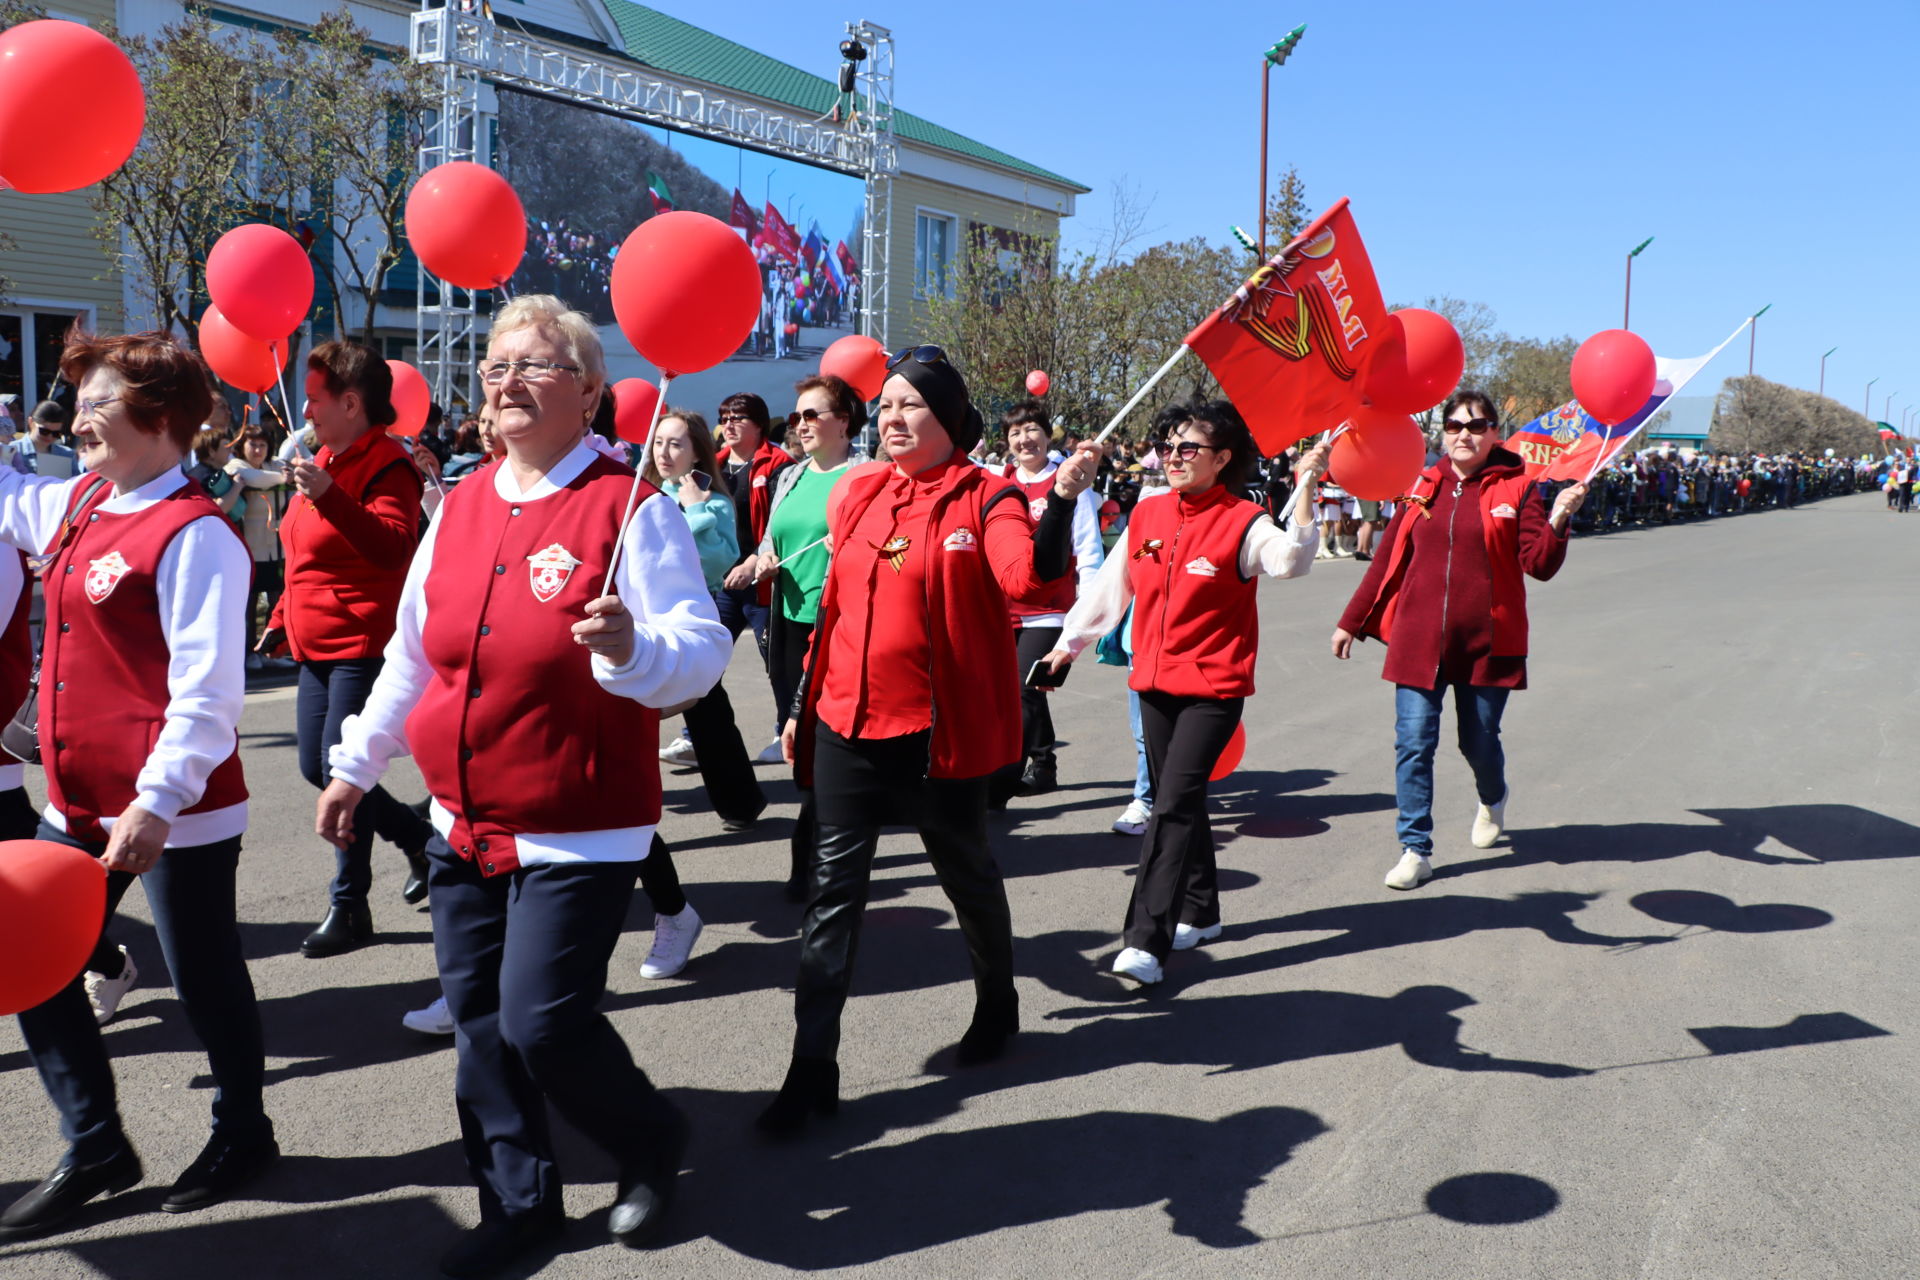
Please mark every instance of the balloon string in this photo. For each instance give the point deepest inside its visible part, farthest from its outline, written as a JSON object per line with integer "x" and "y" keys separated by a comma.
{"x": 646, "y": 452}
{"x": 286, "y": 401}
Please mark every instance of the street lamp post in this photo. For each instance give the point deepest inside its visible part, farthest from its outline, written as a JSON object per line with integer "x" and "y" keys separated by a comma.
{"x": 1823, "y": 369}
{"x": 1886, "y": 410}
{"x": 1866, "y": 407}
{"x": 1753, "y": 334}
{"x": 1626, "y": 312}
{"x": 1276, "y": 56}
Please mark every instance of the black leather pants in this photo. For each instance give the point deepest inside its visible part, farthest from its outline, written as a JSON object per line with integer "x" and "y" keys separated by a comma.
{"x": 859, "y": 785}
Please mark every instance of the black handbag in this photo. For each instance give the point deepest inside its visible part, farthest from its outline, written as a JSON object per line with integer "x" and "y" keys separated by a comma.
{"x": 21, "y": 736}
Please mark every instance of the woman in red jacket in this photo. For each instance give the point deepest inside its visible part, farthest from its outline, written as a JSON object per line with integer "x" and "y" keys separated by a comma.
{"x": 349, "y": 534}
{"x": 910, "y": 700}
{"x": 1192, "y": 559}
{"x": 1447, "y": 588}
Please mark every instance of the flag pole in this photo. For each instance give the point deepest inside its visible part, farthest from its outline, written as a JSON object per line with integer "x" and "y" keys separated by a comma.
{"x": 1141, "y": 394}
{"x": 646, "y": 452}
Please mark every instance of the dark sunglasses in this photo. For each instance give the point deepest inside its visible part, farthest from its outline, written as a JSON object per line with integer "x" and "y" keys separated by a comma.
{"x": 806, "y": 415}
{"x": 733, "y": 417}
{"x": 1478, "y": 426}
{"x": 1190, "y": 449}
{"x": 923, "y": 355}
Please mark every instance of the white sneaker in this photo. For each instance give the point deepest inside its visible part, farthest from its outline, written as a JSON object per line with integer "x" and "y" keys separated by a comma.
{"x": 673, "y": 939}
{"x": 1490, "y": 821}
{"x": 105, "y": 994}
{"x": 1138, "y": 965}
{"x": 1412, "y": 871}
{"x": 1186, "y": 937}
{"x": 434, "y": 1020}
{"x": 1134, "y": 818}
{"x": 771, "y": 754}
{"x": 679, "y": 751}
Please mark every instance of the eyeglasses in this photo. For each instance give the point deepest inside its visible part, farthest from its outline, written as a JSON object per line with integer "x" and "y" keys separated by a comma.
{"x": 91, "y": 408}
{"x": 807, "y": 415}
{"x": 921, "y": 355}
{"x": 1477, "y": 426}
{"x": 724, "y": 419}
{"x": 1189, "y": 449}
{"x": 494, "y": 372}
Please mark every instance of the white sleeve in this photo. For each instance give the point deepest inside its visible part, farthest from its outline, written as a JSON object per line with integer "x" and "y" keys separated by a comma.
{"x": 371, "y": 739}
{"x": 32, "y": 507}
{"x": 1279, "y": 554}
{"x": 680, "y": 650}
{"x": 1101, "y": 605}
{"x": 203, "y": 581}
{"x": 1088, "y": 548}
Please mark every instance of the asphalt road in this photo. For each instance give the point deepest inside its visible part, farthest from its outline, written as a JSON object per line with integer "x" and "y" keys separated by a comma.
{"x": 1666, "y": 1031}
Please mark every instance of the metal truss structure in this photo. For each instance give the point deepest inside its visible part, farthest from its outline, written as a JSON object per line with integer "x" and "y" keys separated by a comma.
{"x": 471, "y": 48}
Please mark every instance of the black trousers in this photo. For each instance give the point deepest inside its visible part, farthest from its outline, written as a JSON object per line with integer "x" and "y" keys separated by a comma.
{"x": 330, "y": 692}
{"x": 859, "y": 784}
{"x": 1177, "y": 882}
{"x": 787, "y": 643}
{"x": 523, "y": 965}
{"x": 726, "y": 770}
{"x": 190, "y": 892}
{"x": 1036, "y": 717}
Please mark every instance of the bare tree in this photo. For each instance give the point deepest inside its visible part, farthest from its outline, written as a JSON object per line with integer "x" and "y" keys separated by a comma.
{"x": 1753, "y": 415}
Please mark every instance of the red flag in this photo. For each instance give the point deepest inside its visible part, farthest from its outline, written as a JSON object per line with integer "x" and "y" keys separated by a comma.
{"x": 847, "y": 262}
{"x": 743, "y": 216}
{"x": 777, "y": 235}
{"x": 1292, "y": 346}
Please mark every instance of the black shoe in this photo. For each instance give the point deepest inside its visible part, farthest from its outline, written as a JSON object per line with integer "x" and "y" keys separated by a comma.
{"x": 344, "y": 930}
{"x": 988, "y": 1036}
{"x": 796, "y": 889}
{"x": 740, "y": 824}
{"x": 424, "y": 808}
{"x": 646, "y": 1186}
{"x": 415, "y": 889}
{"x": 812, "y": 1087}
{"x": 65, "y": 1190}
{"x": 1037, "y": 780}
{"x": 493, "y": 1246}
{"x": 220, "y": 1170}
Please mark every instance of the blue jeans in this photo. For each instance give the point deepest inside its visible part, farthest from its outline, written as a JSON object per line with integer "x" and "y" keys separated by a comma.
{"x": 740, "y": 609}
{"x": 1416, "y": 735}
{"x": 1142, "y": 777}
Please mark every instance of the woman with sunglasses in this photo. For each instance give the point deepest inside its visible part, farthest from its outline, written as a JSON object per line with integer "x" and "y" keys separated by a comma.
{"x": 1447, "y": 596}
{"x": 1190, "y": 567}
{"x": 910, "y": 701}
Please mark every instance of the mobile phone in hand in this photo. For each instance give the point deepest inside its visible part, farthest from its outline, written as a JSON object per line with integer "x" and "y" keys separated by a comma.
{"x": 1039, "y": 676}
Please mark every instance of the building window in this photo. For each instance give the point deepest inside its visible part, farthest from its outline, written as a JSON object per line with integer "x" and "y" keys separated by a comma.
{"x": 30, "y": 346}
{"x": 933, "y": 240}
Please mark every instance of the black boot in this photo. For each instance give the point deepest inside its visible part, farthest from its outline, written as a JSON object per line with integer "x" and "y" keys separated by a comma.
{"x": 345, "y": 929}
{"x": 812, "y": 1087}
{"x": 994, "y": 1026}
{"x": 64, "y": 1191}
{"x": 646, "y": 1184}
{"x": 415, "y": 889}
{"x": 1038, "y": 779}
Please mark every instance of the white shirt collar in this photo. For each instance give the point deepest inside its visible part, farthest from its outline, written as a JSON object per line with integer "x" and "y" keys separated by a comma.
{"x": 1046, "y": 469}
{"x": 563, "y": 473}
{"x": 146, "y": 495}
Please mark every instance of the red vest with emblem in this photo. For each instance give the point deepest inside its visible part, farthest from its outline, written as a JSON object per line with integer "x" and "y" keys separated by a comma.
{"x": 1502, "y": 539}
{"x": 513, "y": 735}
{"x": 1196, "y": 621}
{"x": 103, "y": 679}
{"x": 16, "y": 644}
{"x": 1059, "y": 595}
{"x": 976, "y": 681}
{"x": 338, "y": 604}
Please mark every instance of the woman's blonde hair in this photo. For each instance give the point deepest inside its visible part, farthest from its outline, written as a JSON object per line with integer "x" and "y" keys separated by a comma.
{"x": 574, "y": 330}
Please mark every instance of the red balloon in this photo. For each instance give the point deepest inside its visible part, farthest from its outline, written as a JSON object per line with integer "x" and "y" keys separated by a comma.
{"x": 859, "y": 360}
{"x": 1613, "y": 374}
{"x": 466, "y": 224}
{"x": 633, "y": 401}
{"x": 793, "y": 330}
{"x": 1418, "y": 364}
{"x": 1378, "y": 456}
{"x": 686, "y": 291}
{"x": 71, "y": 106}
{"x": 244, "y": 362}
{"x": 261, "y": 280}
{"x": 412, "y": 398}
{"x": 53, "y": 903}
{"x": 1231, "y": 754}
{"x": 1038, "y": 382}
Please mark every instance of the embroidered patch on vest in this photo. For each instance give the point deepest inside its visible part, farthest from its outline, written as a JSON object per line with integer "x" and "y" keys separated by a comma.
{"x": 1037, "y": 508}
{"x": 1504, "y": 511}
{"x": 961, "y": 539}
{"x": 104, "y": 574}
{"x": 759, "y": 482}
{"x": 1202, "y": 567}
{"x": 548, "y": 571}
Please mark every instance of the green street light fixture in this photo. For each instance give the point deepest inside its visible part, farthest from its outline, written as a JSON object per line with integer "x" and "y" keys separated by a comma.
{"x": 1753, "y": 333}
{"x": 1823, "y": 369}
{"x": 1626, "y": 315}
{"x": 1274, "y": 57}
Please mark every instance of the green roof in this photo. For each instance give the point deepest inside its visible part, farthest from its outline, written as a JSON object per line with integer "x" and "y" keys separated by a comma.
{"x": 679, "y": 48}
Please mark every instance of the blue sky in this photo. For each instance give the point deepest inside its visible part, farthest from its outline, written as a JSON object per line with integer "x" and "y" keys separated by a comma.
{"x": 1507, "y": 153}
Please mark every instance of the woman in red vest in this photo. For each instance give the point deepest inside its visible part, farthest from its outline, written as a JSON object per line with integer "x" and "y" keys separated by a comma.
{"x": 1190, "y": 565}
{"x": 909, "y": 700}
{"x": 349, "y": 532}
{"x": 525, "y": 690}
{"x": 142, "y": 680}
{"x": 1447, "y": 597}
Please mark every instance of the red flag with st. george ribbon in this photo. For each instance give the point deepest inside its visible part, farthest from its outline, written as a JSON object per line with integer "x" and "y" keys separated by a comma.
{"x": 743, "y": 216}
{"x": 1292, "y": 346}
{"x": 778, "y": 235}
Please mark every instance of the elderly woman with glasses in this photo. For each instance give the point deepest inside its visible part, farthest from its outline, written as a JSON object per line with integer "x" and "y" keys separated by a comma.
{"x": 523, "y": 684}
{"x": 1447, "y": 596}
{"x": 910, "y": 701}
{"x": 1190, "y": 567}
